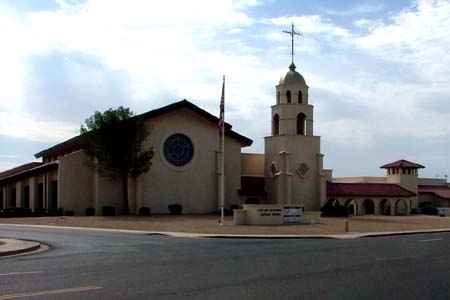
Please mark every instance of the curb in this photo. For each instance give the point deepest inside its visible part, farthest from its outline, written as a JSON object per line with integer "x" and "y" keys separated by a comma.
{"x": 18, "y": 247}
{"x": 351, "y": 235}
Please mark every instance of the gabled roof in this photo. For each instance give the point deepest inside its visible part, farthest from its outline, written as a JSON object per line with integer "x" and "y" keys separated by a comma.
{"x": 402, "y": 163}
{"x": 73, "y": 142}
{"x": 26, "y": 170}
{"x": 441, "y": 191}
{"x": 367, "y": 190}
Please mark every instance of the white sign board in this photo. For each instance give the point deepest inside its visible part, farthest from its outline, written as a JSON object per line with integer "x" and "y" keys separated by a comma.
{"x": 292, "y": 214}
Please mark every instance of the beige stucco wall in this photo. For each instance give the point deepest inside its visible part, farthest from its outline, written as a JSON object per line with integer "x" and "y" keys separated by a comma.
{"x": 432, "y": 181}
{"x": 305, "y": 191}
{"x": 195, "y": 186}
{"x": 75, "y": 183}
{"x": 407, "y": 181}
{"x": 361, "y": 179}
{"x": 107, "y": 192}
{"x": 252, "y": 164}
{"x": 288, "y": 117}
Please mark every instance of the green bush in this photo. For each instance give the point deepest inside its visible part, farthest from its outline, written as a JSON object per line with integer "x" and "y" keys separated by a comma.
{"x": 90, "y": 211}
{"x": 108, "y": 211}
{"x": 69, "y": 213}
{"x": 252, "y": 201}
{"x": 429, "y": 210}
{"x": 175, "y": 209}
{"x": 16, "y": 212}
{"x": 234, "y": 206}
{"x": 334, "y": 211}
{"x": 144, "y": 211}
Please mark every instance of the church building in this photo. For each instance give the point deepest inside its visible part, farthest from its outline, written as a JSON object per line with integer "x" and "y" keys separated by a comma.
{"x": 186, "y": 168}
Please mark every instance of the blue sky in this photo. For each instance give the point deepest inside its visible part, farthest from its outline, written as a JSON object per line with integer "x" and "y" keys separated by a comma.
{"x": 377, "y": 71}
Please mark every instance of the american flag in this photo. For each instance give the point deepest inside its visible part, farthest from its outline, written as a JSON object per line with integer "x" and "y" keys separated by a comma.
{"x": 222, "y": 109}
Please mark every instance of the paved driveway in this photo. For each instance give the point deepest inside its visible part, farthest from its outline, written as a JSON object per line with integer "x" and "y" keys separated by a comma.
{"x": 102, "y": 265}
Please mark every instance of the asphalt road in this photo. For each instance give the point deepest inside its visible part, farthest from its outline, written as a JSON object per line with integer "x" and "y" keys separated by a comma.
{"x": 103, "y": 265}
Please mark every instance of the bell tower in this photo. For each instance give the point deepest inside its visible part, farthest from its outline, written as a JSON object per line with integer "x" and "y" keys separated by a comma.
{"x": 294, "y": 165}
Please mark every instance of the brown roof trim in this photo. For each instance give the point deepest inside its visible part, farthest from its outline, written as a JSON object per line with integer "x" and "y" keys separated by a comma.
{"x": 402, "y": 163}
{"x": 19, "y": 169}
{"x": 37, "y": 169}
{"x": 70, "y": 143}
{"x": 338, "y": 189}
{"x": 73, "y": 142}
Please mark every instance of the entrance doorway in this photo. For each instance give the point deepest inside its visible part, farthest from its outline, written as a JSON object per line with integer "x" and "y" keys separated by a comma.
{"x": 368, "y": 207}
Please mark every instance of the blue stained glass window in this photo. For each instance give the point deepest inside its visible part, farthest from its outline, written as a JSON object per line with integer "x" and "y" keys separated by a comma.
{"x": 178, "y": 149}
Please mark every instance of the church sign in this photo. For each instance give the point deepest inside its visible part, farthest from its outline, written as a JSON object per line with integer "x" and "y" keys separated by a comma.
{"x": 292, "y": 214}
{"x": 272, "y": 214}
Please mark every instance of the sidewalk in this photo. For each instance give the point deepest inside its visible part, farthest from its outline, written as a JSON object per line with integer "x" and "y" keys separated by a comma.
{"x": 13, "y": 247}
{"x": 205, "y": 225}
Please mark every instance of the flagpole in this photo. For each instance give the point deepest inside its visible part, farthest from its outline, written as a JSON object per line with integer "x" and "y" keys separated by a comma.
{"x": 222, "y": 163}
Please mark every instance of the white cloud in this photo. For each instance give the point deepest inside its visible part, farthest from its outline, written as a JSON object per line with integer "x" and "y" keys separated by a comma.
{"x": 25, "y": 127}
{"x": 356, "y": 10}
{"x": 181, "y": 51}
{"x": 315, "y": 24}
{"x": 416, "y": 36}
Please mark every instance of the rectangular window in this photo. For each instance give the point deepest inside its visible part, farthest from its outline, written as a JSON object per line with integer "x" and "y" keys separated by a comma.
{"x": 1, "y": 198}
{"x": 40, "y": 197}
{"x": 12, "y": 199}
{"x": 54, "y": 195}
{"x": 25, "y": 201}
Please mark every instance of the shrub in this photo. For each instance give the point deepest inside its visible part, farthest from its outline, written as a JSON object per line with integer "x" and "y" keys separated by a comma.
{"x": 69, "y": 213}
{"x": 429, "y": 210}
{"x": 341, "y": 211}
{"x": 415, "y": 211}
{"x": 90, "y": 211}
{"x": 53, "y": 212}
{"x": 16, "y": 212}
{"x": 144, "y": 211}
{"x": 424, "y": 204}
{"x": 234, "y": 206}
{"x": 334, "y": 211}
{"x": 226, "y": 212}
{"x": 175, "y": 209}
{"x": 39, "y": 212}
{"x": 252, "y": 201}
{"x": 108, "y": 211}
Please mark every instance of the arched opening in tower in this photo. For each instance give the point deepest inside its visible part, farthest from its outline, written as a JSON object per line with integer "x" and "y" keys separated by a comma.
{"x": 301, "y": 124}
{"x": 276, "y": 125}
{"x": 288, "y": 96}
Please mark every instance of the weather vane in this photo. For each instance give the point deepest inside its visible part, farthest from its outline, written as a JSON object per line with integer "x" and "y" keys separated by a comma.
{"x": 292, "y": 33}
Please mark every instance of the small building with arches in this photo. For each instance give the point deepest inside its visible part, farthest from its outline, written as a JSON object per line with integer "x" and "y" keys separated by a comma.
{"x": 370, "y": 198}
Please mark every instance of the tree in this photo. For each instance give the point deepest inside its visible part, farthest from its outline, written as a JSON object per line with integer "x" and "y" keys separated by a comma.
{"x": 113, "y": 141}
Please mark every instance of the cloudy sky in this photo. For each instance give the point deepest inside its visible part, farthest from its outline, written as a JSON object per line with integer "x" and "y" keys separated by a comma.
{"x": 378, "y": 71}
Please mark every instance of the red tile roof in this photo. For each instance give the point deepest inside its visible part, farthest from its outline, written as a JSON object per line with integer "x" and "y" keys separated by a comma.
{"x": 19, "y": 169}
{"x": 252, "y": 186}
{"x": 367, "y": 190}
{"x": 441, "y": 191}
{"x": 402, "y": 163}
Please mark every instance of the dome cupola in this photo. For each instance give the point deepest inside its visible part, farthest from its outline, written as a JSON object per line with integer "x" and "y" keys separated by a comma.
{"x": 292, "y": 77}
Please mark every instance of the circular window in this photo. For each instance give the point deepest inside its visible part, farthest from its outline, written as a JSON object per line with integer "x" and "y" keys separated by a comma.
{"x": 178, "y": 149}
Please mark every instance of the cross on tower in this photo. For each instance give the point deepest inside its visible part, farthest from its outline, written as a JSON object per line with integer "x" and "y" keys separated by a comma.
{"x": 292, "y": 33}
